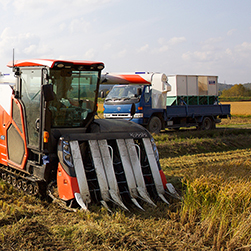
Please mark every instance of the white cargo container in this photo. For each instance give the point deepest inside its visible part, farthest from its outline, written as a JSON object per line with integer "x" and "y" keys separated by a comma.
{"x": 193, "y": 85}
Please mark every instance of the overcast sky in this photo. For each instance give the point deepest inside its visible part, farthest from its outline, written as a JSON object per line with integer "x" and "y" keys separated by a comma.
{"x": 211, "y": 37}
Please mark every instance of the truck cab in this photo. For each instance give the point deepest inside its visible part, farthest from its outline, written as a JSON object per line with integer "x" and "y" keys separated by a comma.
{"x": 118, "y": 102}
{"x": 148, "y": 92}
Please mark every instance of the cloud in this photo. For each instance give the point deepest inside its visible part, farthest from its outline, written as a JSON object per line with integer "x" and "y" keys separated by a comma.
{"x": 172, "y": 41}
{"x": 107, "y": 46}
{"x": 244, "y": 46}
{"x": 166, "y": 45}
{"x": 231, "y": 32}
{"x": 5, "y": 3}
{"x": 176, "y": 40}
{"x": 143, "y": 48}
{"x": 213, "y": 40}
{"x": 229, "y": 52}
{"x": 7, "y": 39}
{"x": 120, "y": 54}
{"x": 234, "y": 57}
{"x": 160, "y": 49}
{"x": 89, "y": 54}
{"x": 79, "y": 25}
{"x": 25, "y": 44}
{"x": 163, "y": 48}
{"x": 210, "y": 50}
{"x": 197, "y": 56}
{"x": 243, "y": 50}
{"x": 69, "y": 8}
{"x": 161, "y": 40}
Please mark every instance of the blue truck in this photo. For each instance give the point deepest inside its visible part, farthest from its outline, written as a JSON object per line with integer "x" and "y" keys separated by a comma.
{"x": 158, "y": 102}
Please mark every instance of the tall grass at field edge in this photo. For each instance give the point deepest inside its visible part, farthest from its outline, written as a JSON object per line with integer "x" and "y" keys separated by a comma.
{"x": 220, "y": 209}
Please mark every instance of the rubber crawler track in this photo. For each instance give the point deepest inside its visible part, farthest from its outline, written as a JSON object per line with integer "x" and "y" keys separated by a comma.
{"x": 20, "y": 180}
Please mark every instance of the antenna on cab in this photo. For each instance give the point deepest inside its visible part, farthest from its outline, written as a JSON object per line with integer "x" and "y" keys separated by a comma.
{"x": 17, "y": 71}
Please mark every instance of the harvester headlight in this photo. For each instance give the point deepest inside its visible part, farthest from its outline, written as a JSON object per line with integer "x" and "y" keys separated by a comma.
{"x": 156, "y": 153}
{"x": 68, "y": 157}
{"x": 60, "y": 65}
{"x": 100, "y": 67}
{"x": 67, "y": 154}
{"x": 66, "y": 147}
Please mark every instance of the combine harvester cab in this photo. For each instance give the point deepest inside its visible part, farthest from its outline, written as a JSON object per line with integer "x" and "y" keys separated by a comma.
{"x": 50, "y": 141}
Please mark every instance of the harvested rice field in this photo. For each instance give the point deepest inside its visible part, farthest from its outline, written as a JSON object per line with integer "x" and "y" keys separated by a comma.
{"x": 211, "y": 170}
{"x": 240, "y": 108}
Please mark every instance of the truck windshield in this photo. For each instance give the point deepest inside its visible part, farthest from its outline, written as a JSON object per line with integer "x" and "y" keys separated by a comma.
{"x": 74, "y": 96}
{"x": 122, "y": 92}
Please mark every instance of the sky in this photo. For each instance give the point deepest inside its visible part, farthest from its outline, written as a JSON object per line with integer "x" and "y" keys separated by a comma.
{"x": 207, "y": 37}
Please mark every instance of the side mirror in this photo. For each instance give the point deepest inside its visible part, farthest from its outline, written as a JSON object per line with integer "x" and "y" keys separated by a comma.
{"x": 17, "y": 71}
{"x": 102, "y": 94}
{"x": 133, "y": 110}
{"x": 17, "y": 94}
{"x": 48, "y": 92}
{"x": 139, "y": 92}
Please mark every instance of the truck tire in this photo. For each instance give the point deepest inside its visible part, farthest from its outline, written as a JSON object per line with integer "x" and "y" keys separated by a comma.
{"x": 207, "y": 124}
{"x": 154, "y": 125}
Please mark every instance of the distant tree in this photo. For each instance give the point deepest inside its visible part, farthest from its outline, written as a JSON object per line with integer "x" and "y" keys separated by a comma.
{"x": 247, "y": 85}
{"x": 237, "y": 90}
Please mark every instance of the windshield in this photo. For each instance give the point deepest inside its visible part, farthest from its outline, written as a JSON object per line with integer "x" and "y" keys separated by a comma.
{"x": 74, "y": 96}
{"x": 119, "y": 92}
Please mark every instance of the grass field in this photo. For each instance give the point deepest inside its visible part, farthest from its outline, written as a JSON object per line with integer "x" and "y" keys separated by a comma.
{"x": 240, "y": 108}
{"x": 210, "y": 169}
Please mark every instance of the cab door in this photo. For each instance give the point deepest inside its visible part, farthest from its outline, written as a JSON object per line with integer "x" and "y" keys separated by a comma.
{"x": 31, "y": 98}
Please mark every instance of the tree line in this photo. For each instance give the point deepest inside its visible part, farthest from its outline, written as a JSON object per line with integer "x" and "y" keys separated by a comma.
{"x": 237, "y": 90}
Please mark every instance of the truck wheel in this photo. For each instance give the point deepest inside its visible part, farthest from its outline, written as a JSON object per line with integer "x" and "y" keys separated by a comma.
{"x": 154, "y": 125}
{"x": 207, "y": 124}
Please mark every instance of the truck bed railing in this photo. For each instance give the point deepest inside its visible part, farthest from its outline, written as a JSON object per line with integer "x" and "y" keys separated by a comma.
{"x": 197, "y": 110}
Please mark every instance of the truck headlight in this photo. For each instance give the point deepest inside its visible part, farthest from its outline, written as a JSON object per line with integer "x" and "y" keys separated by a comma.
{"x": 138, "y": 115}
{"x": 107, "y": 115}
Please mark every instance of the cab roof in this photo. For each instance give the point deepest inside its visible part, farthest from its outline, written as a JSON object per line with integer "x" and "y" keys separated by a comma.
{"x": 51, "y": 63}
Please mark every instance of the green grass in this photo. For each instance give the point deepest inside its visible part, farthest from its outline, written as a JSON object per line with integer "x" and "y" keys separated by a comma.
{"x": 233, "y": 99}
